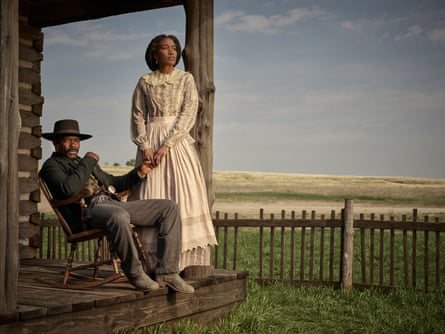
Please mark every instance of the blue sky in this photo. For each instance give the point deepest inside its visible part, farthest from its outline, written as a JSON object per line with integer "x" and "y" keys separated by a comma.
{"x": 310, "y": 87}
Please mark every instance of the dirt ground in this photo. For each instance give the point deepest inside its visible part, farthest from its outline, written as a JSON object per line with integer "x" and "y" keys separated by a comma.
{"x": 249, "y": 210}
{"x": 252, "y": 209}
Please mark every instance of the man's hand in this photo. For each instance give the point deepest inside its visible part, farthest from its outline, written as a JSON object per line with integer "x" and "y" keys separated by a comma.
{"x": 92, "y": 155}
{"x": 160, "y": 154}
{"x": 144, "y": 168}
{"x": 147, "y": 156}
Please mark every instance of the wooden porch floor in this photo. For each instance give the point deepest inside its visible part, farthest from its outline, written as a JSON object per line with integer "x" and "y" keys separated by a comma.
{"x": 116, "y": 306}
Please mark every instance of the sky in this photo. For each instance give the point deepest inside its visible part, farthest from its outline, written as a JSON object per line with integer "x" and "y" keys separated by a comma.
{"x": 345, "y": 87}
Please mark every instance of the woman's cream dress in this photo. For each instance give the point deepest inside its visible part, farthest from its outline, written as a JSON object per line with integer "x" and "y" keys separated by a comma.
{"x": 164, "y": 110}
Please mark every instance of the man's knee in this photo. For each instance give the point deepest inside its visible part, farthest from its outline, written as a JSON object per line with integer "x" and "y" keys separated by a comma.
{"x": 120, "y": 219}
{"x": 170, "y": 217}
{"x": 165, "y": 207}
{"x": 172, "y": 207}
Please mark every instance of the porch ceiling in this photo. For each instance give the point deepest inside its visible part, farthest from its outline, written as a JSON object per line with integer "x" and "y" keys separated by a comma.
{"x": 44, "y": 13}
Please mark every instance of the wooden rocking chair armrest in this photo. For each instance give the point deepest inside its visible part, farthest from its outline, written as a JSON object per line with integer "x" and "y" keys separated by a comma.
{"x": 85, "y": 192}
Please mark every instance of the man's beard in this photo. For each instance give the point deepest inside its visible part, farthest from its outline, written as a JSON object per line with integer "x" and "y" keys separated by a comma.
{"x": 72, "y": 152}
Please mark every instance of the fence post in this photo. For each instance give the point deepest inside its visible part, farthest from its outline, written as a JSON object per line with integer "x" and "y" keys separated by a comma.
{"x": 348, "y": 243}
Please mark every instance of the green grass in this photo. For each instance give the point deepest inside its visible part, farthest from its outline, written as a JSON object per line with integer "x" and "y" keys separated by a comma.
{"x": 281, "y": 308}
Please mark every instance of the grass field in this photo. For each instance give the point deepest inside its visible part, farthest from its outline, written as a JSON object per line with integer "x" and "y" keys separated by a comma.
{"x": 323, "y": 185}
{"x": 329, "y": 187}
{"x": 246, "y": 192}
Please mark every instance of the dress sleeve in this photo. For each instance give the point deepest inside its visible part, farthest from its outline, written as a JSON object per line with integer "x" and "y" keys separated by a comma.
{"x": 187, "y": 114}
{"x": 138, "y": 117}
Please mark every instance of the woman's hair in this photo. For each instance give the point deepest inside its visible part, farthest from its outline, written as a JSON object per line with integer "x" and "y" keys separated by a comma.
{"x": 152, "y": 49}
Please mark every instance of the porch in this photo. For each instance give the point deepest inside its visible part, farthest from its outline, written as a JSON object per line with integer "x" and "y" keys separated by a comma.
{"x": 116, "y": 306}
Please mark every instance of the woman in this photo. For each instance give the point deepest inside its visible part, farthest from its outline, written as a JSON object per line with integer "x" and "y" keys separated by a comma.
{"x": 164, "y": 107}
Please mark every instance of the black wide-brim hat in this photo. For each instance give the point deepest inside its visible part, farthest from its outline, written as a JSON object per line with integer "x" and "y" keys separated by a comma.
{"x": 65, "y": 127}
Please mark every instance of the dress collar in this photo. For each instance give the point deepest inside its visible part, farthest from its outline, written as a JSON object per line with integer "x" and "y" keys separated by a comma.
{"x": 157, "y": 78}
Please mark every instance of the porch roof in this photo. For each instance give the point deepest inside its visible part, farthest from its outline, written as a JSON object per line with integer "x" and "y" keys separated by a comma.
{"x": 44, "y": 13}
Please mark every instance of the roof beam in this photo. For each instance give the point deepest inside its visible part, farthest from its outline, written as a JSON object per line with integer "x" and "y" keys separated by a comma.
{"x": 45, "y": 13}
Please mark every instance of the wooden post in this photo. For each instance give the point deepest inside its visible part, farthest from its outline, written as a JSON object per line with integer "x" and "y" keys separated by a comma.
{"x": 9, "y": 140}
{"x": 348, "y": 246}
{"x": 198, "y": 60}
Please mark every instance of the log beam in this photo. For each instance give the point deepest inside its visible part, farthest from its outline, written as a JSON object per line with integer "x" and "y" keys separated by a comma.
{"x": 198, "y": 60}
{"x": 9, "y": 139}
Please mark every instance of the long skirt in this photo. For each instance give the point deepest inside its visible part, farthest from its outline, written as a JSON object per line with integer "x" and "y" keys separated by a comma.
{"x": 179, "y": 177}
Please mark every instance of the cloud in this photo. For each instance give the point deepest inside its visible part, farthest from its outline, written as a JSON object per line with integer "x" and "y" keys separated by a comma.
{"x": 97, "y": 41}
{"x": 109, "y": 53}
{"x": 227, "y": 17}
{"x": 87, "y": 34}
{"x": 437, "y": 35}
{"x": 411, "y": 27}
{"x": 363, "y": 24}
{"x": 239, "y": 21}
{"x": 413, "y": 32}
{"x": 59, "y": 37}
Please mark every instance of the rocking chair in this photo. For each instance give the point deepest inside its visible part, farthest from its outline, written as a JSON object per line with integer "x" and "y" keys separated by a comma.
{"x": 91, "y": 280}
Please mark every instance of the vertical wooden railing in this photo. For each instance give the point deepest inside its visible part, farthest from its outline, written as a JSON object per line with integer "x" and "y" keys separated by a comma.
{"x": 54, "y": 245}
{"x": 347, "y": 246}
{"x": 311, "y": 250}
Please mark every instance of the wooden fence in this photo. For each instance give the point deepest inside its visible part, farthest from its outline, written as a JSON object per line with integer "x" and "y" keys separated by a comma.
{"x": 336, "y": 250}
{"x": 54, "y": 245}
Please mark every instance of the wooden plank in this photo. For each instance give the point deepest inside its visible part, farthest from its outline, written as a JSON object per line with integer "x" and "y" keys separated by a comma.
{"x": 261, "y": 246}
{"x": 414, "y": 259}
{"x": 381, "y": 256}
{"x": 331, "y": 252}
{"x": 371, "y": 254}
{"x": 143, "y": 312}
{"x": 405, "y": 259}
{"x": 29, "y": 32}
{"x": 348, "y": 248}
{"x": 29, "y": 53}
{"x": 302, "y": 253}
{"x": 438, "y": 257}
{"x": 292, "y": 254}
{"x": 27, "y": 312}
{"x": 321, "y": 259}
{"x": 391, "y": 255}
{"x": 282, "y": 253}
{"x": 29, "y": 119}
{"x": 426, "y": 262}
{"x": 281, "y": 223}
{"x": 271, "y": 252}
{"x": 363, "y": 253}
{"x": 358, "y": 223}
{"x": 235, "y": 247}
{"x": 107, "y": 308}
{"x": 311, "y": 252}
{"x": 400, "y": 225}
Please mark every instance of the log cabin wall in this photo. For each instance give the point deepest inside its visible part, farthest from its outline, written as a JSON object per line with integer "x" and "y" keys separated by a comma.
{"x": 30, "y": 151}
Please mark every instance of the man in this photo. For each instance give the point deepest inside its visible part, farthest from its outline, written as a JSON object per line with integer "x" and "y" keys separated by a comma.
{"x": 65, "y": 174}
